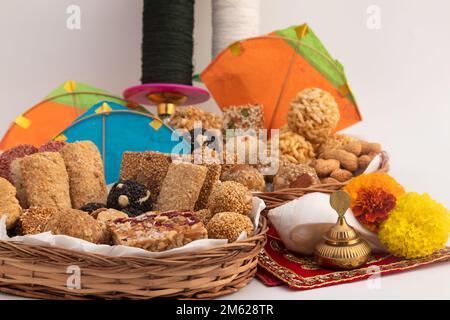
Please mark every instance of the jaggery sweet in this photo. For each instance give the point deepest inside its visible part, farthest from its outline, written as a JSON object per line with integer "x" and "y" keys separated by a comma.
{"x": 45, "y": 180}
{"x": 212, "y": 177}
{"x": 86, "y": 173}
{"x": 149, "y": 168}
{"x": 181, "y": 187}
{"x": 9, "y": 205}
{"x": 229, "y": 225}
{"x": 154, "y": 231}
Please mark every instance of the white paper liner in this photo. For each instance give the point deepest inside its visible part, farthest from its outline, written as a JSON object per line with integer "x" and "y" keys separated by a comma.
{"x": 66, "y": 242}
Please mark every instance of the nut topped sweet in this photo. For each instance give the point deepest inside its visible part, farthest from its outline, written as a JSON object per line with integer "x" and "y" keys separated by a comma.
{"x": 154, "y": 231}
{"x": 130, "y": 196}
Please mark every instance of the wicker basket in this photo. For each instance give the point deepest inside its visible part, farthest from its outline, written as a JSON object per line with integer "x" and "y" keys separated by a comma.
{"x": 278, "y": 198}
{"x": 42, "y": 272}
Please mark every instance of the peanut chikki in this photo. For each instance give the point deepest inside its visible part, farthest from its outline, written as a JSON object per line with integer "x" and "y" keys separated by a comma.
{"x": 181, "y": 187}
{"x": 154, "y": 231}
{"x": 149, "y": 168}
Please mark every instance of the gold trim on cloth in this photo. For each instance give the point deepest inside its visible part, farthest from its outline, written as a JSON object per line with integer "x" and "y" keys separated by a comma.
{"x": 299, "y": 282}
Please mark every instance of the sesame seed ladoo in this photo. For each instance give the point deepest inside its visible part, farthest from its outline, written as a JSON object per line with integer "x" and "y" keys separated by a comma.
{"x": 229, "y": 225}
{"x": 230, "y": 196}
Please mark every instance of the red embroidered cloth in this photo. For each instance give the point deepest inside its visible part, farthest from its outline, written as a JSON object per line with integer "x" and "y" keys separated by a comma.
{"x": 278, "y": 266}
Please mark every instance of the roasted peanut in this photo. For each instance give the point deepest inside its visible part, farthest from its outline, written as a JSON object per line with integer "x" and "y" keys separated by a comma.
{"x": 325, "y": 167}
{"x": 369, "y": 147}
{"x": 354, "y": 147}
{"x": 341, "y": 175}
{"x": 347, "y": 160}
{"x": 364, "y": 161}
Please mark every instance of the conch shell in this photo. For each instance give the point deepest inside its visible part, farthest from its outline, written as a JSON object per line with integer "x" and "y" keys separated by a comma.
{"x": 302, "y": 222}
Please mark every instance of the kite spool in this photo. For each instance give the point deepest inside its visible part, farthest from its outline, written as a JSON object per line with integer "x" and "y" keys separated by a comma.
{"x": 167, "y": 50}
{"x": 233, "y": 20}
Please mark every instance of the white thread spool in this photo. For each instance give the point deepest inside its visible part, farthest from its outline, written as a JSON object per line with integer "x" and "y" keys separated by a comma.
{"x": 233, "y": 20}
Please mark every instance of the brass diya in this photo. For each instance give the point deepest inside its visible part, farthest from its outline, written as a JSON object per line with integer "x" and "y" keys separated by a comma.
{"x": 341, "y": 247}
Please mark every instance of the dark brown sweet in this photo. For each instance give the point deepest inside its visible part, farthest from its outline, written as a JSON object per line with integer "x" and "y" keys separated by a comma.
{"x": 212, "y": 177}
{"x": 149, "y": 168}
{"x": 130, "y": 197}
{"x": 52, "y": 146}
{"x": 12, "y": 154}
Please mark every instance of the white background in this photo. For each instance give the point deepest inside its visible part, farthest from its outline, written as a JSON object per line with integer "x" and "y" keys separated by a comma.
{"x": 400, "y": 75}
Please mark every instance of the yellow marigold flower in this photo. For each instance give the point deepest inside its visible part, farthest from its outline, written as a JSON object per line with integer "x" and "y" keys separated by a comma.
{"x": 417, "y": 227}
{"x": 373, "y": 196}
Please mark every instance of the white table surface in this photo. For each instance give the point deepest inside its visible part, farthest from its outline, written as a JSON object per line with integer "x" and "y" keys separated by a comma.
{"x": 429, "y": 282}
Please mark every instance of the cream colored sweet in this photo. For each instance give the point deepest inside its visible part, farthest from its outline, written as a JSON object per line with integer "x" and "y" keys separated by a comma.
{"x": 9, "y": 205}
{"x": 86, "y": 173}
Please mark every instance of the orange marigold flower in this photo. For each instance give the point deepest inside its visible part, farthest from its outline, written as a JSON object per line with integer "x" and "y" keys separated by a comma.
{"x": 373, "y": 197}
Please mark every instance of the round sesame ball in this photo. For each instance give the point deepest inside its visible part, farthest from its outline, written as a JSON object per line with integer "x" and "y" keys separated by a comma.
{"x": 228, "y": 225}
{"x": 230, "y": 196}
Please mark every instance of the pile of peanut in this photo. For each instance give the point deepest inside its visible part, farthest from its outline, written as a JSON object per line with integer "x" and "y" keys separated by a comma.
{"x": 343, "y": 163}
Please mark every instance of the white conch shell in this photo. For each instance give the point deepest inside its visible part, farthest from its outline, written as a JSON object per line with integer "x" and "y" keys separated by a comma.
{"x": 301, "y": 223}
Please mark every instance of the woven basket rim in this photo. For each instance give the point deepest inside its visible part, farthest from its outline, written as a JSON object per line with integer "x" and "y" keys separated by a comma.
{"x": 261, "y": 231}
{"x": 277, "y": 198}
